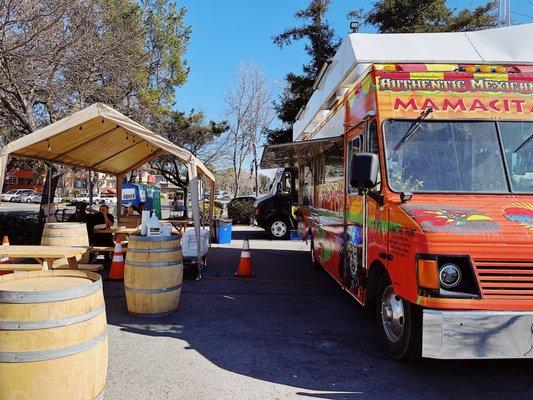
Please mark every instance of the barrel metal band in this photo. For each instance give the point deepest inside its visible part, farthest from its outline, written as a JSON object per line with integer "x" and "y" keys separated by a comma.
{"x": 44, "y": 355}
{"x": 153, "y": 264}
{"x": 152, "y": 291}
{"x": 154, "y": 238}
{"x": 55, "y": 323}
{"x": 45, "y": 296}
{"x": 169, "y": 250}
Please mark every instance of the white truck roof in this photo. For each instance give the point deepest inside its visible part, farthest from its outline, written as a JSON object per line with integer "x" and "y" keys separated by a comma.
{"x": 508, "y": 45}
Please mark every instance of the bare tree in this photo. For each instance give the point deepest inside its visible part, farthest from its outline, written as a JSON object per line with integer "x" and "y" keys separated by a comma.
{"x": 248, "y": 109}
{"x": 59, "y": 56}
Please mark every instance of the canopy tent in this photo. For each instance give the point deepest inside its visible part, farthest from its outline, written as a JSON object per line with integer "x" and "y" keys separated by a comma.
{"x": 101, "y": 139}
{"x": 296, "y": 153}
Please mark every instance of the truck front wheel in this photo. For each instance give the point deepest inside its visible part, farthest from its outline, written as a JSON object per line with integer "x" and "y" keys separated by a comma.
{"x": 278, "y": 228}
{"x": 399, "y": 323}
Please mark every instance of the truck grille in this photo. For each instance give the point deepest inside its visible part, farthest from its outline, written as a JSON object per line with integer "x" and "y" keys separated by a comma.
{"x": 509, "y": 279}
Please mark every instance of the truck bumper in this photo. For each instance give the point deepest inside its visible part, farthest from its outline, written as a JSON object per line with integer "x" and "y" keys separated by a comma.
{"x": 477, "y": 334}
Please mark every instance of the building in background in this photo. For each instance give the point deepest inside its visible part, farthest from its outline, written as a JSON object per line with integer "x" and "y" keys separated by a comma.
{"x": 23, "y": 179}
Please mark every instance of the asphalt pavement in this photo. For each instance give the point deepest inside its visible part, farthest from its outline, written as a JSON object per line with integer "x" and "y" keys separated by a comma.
{"x": 287, "y": 333}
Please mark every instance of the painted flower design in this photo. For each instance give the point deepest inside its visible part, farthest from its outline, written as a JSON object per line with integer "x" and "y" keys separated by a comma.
{"x": 451, "y": 219}
{"x": 521, "y": 213}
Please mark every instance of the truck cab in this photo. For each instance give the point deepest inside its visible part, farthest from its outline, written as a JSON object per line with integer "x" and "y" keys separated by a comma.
{"x": 275, "y": 212}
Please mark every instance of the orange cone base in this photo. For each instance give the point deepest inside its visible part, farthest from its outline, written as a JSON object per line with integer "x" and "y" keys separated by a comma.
{"x": 250, "y": 275}
{"x": 245, "y": 268}
{"x": 117, "y": 271}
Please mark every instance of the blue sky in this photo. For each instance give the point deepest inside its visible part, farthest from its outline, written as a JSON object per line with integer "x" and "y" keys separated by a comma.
{"x": 226, "y": 32}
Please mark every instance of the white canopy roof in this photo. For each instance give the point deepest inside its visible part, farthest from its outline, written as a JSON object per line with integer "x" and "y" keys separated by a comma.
{"x": 98, "y": 138}
{"x": 358, "y": 51}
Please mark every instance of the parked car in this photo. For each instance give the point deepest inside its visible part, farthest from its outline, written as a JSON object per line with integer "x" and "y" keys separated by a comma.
{"x": 108, "y": 199}
{"x": 24, "y": 197}
{"x": 12, "y": 194}
{"x": 36, "y": 198}
{"x": 85, "y": 199}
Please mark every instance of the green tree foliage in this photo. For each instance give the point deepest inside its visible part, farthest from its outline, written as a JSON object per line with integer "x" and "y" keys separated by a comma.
{"x": 321, "y": 44}
{"x": 59, "y": 56}
{"x": 191, "y": 132}
{"x": 403, "y": 16}
{"x": 388, "y": 16}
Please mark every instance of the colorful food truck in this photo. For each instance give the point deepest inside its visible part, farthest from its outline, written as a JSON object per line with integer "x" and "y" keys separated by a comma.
{"x": 415, "y": 157}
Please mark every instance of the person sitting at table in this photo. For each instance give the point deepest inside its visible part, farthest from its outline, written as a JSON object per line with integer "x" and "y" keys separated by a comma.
{"x": 80, "y": 215}
{"x": 101, "y": 219}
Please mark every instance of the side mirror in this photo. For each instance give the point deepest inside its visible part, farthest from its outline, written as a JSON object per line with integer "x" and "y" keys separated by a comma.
{"x": 364, "y": 170}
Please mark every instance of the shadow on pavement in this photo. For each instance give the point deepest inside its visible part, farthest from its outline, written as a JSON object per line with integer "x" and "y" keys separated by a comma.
{"x": 251, "y": 234}
{"x": 292, "y": 325}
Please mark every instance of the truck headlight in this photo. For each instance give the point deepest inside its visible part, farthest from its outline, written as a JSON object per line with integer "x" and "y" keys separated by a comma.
{"x": 441, "y": 275}
{"x": 450, "y": 276}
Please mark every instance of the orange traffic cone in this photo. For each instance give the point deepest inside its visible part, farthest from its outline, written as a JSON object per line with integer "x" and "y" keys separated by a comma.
{"x": 117, "y": 266}
{"x": 3, "y": 260}
{"x": 244, "y": 269}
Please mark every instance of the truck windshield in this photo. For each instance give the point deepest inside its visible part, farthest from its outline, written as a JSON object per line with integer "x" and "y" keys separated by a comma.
{"x": 275, "y": 180}
{"x": 460, "y": 157}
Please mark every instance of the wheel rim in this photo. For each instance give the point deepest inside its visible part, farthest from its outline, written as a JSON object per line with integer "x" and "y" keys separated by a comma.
{"x": 278, "y": 228}
{"x": 392, "y": 315}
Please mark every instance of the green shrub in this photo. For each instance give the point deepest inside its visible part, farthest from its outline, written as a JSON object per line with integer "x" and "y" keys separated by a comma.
{"x": 204, "y": 212}
{"x": 240, "y": 212}
{"x": 68, "y": 199}
{"x": 21, "y": 228}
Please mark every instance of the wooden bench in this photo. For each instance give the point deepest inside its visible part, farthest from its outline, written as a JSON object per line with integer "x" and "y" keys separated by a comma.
{"x": 96, "y": 249}
{"x": 39, "y": 267}
{"x": 21, "y": 267}
{"x": 91, "y": 267}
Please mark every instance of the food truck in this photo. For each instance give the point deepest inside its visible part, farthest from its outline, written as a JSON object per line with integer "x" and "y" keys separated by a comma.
{"x": 415, "y": 157}
{"x": 276, "y": 211}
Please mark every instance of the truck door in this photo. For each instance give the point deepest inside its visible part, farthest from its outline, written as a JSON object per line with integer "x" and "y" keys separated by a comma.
{"x": 354, "y": 224}
{"x": 377, "y": 213}
{"x": 365, "y": 221}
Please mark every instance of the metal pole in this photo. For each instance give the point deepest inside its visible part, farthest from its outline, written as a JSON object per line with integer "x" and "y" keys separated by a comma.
{"x": 505, "y": 13}
{"x": 49, "y": 191}
{"x": 90, "y": 189}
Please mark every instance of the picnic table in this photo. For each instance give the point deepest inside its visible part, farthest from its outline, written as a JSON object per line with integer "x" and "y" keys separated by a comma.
{"x": 45, "y": 255}
{"x": 117, "y": 230}
{"x": 180, "y": 224}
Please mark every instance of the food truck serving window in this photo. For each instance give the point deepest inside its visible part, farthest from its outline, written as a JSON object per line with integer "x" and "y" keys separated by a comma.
{"x": 333, "y": 165}
{"x": 458, "y": 156}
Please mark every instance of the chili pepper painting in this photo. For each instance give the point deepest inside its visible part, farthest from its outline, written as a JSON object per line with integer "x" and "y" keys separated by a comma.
{"x": 521, "y": 213}
{"x": 450, "y": 219}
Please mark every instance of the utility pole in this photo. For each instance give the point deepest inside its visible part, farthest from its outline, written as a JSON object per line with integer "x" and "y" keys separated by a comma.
{"x": 505, "y": 13}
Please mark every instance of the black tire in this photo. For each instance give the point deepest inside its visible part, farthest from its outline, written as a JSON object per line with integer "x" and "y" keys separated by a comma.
{"x": 28, "y": 200}
{"x": 12, "y": 200}
{"x": 404, "y": 343}
{"x": 278, "y": 228}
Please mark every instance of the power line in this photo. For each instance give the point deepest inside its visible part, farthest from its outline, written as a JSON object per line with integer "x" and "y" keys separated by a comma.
{"x": 523, "y": 15}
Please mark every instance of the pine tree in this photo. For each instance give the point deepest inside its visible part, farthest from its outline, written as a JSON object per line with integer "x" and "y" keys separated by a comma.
{"x": 321, "y": 45}
{"x": 388, "y": 16}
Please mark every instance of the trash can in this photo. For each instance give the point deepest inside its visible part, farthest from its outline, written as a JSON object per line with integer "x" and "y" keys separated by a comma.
{"x": 223, "y": 231}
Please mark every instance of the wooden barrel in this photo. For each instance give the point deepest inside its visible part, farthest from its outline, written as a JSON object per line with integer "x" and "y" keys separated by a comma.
{"x": 153, "y": 275}
{"x": 66, "y": 234}
{"x": 53, "y": 335}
